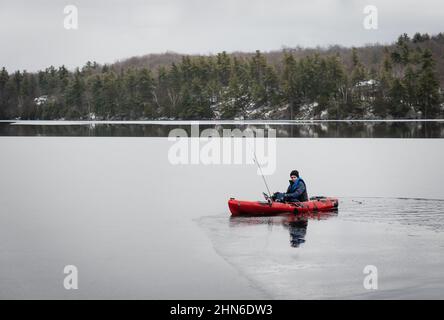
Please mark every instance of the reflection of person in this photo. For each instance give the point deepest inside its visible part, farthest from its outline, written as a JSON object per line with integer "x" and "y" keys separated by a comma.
{"x": 298, "y": 230}
{"x": 297, "y": 190}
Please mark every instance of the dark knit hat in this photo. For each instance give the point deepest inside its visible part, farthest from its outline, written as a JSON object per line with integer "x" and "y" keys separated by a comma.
{"x": 294, "y": 173}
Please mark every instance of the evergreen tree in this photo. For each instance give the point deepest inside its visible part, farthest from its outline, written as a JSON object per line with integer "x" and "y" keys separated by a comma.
{"x": 73, "y": 98}
{"x": 161, "y": 97}
{"x": 145, "y": 93}
{"x": 4, "y": 78}
{"x": 98, "y": 98}
{"x": 428, "y": 86}
{"x": 397, "y": 94}
{"x": 382, "y": 94}
{"x": 355, "y": 57}
{"x": 410, "y": 83}
{"x": 224, "y": 68}
{"x": 335, "y": 87}
{"x": 132, "y": 106}
{"x": 236, "y": 99}
{"x": 258, "y": 71}
{"x": 63, "y": 77}
{"x": 111, "y": 94}
{"x": 27, "y": 93}
{"x": 291, "y": 86}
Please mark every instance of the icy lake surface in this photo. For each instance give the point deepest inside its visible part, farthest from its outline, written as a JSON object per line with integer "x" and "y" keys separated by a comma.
{"x": 137, "y": 226}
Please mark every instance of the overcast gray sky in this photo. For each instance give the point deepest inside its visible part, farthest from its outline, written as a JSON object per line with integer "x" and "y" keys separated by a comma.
{"x": 33, "y": 36}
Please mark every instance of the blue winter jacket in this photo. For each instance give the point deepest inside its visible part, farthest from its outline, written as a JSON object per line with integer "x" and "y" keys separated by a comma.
{"x": 297, "y": 191}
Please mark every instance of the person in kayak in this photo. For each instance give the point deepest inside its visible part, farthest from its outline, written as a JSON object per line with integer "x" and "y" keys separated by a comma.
{"x": 296, "y": 192}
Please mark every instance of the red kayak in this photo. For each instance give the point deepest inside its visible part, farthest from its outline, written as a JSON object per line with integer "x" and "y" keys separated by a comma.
{"x": 259, "y": 208}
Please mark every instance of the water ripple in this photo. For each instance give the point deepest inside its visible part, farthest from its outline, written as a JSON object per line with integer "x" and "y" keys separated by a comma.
{"x": 427, "y": 213}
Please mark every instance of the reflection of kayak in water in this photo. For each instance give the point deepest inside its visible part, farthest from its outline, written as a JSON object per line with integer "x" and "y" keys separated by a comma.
{"x": 258, "y": 208}
{"x": 296, "y": 224}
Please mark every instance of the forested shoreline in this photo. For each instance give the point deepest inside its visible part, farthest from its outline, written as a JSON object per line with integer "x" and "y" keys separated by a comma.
{"x": 402, "y": 80}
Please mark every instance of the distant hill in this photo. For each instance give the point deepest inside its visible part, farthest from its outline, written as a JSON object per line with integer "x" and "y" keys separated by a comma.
{"x": 370, "y": 55}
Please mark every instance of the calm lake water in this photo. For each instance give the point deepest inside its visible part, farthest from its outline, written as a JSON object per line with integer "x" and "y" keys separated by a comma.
{"x": 137, "y": 226}
{"x": 291, "y": 129}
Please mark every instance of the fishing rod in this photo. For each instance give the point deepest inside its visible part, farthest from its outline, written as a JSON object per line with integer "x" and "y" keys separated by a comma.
{"x": 263, "y": 177}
